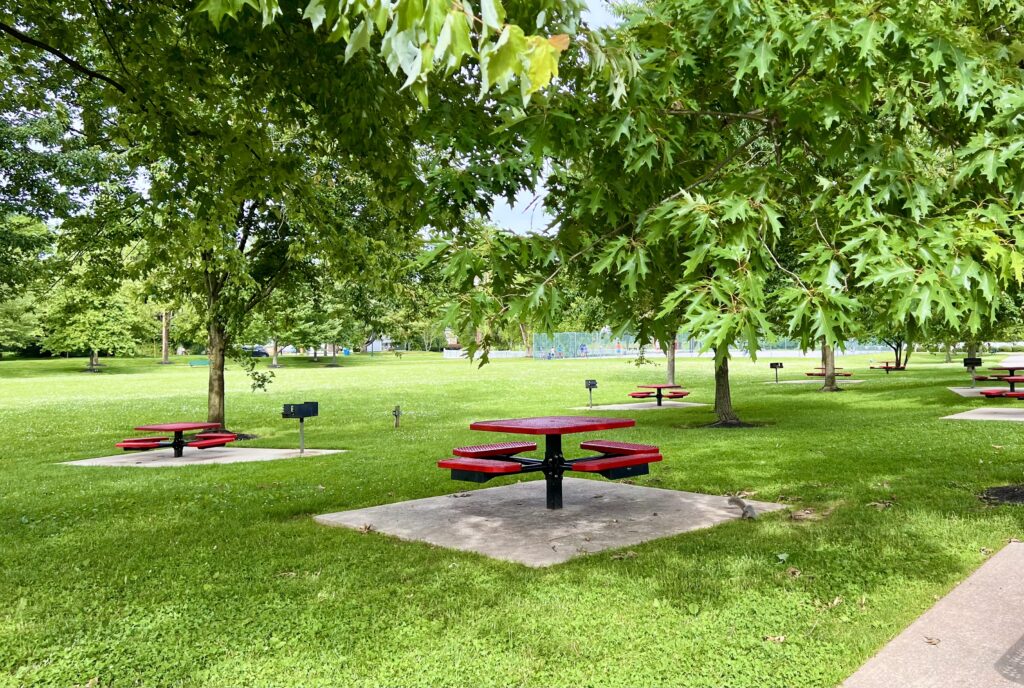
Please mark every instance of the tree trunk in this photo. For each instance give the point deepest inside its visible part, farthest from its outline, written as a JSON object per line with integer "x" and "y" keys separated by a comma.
{"x": 723, "y": 398}
{"x": 897, "y": 349}
{"x": 165, "y": 339}
{"x": 670, "y": 363}
{"x": 972, "y": 349}
{"x": 273, "y": 362}
{"x": 94, "y": 360}
{"x": 909, "y": 349}
{"x": 828, "y": 363}
{"x": 527, "y": 340}
{"x": 216, "y": 346}
{"x": 949, "y": 352}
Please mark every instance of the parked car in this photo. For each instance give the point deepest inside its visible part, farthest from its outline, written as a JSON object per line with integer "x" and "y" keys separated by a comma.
{"x": 257, "y": 351}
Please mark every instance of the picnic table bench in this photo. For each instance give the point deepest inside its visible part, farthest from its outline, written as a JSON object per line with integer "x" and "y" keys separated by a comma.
{"x": 614, "y": 461}
{"x": 1012, "y": 393}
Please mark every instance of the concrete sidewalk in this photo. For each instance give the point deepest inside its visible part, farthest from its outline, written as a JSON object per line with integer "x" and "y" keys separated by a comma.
{"x": 157, "y": 458}
{"x": 972, "y": 638}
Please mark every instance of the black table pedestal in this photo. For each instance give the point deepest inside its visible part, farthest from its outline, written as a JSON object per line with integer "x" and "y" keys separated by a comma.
{"x": 554, "y": 466}
{"x": 179, "y": 444}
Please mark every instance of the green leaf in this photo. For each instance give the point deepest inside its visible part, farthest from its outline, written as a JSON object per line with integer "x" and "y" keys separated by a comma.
{"x": 493, "y": 14}
{"x": 499, "y": 60}
{"x": 764, "y": 55}
{"x": 543, "y": 64}
{"x": 358, "y": 40}
{"x": 454, "y": 42}
{"x": 868, "y": 29}
{"x": 315, "y": 12}
{"x": 435, "y": 14}
{"x": 218, "y": 9}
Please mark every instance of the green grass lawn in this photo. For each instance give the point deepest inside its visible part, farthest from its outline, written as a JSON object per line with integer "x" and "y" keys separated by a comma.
{"x": 217, "y": 575}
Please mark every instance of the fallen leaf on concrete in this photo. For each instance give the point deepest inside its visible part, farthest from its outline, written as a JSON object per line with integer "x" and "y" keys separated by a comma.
{"x": 932, "y": 641}
{"x": 365, "y": 528}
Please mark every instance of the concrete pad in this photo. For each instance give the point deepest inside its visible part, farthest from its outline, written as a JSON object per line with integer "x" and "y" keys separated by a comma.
{"x": 511, "y": 522}
{"x": 996, "y": 413}
{"x": 816, "y": 381}
{"x": 156, "y": 458}
{"x": 967, "y": 391}
{"x": 974, "y": 636}
{"x": 640, "y": 406}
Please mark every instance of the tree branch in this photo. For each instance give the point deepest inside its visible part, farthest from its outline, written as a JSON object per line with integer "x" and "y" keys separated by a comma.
{"x": 722, "y": 163}
{"x": 755, "y": 115}
{"x": 63, "y": 57}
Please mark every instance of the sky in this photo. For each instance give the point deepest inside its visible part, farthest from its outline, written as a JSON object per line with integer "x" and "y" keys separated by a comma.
{"x": 527, "y": 213}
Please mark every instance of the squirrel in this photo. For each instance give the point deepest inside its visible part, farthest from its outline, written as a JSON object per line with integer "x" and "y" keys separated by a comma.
{"x": 747, "y": 509}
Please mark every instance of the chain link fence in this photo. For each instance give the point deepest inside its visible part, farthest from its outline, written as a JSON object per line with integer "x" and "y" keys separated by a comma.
{"x": 604, "y": 345}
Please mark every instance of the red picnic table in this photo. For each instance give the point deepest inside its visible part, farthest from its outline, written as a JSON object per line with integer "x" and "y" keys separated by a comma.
{"x": 1012, "y": 370}
{"x": 819, "y": 371}
{"x": 617, "y": 460}
{"x": 659, "y": 391}
{"x": 178, "y": 443}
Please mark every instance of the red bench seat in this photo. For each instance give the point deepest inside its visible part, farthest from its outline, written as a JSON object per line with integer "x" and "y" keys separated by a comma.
{"x": 982, "y": 378}
{"x": 992, "y": 393}
{"x": 1014, "y": 395}
{"x": 677, "y": 394}
{"x": 618, "y": 448}
{"x": 615, "y": 467}
{"x": 478, "y": 470}
{"x": 211, "y": 439}
{"x": 498, "y": 449}
{"x": 141, "y": 443}
{"x": 641, "y": 395}
{"x": 480, "y": 465}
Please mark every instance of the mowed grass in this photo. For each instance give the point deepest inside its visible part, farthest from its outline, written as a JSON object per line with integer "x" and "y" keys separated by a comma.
{"x": 217, "y": 575}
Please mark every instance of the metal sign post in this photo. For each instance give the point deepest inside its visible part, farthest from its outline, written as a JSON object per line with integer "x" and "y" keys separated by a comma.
{"x": 307, "y": 409}
{"x": 775, "y": 367}
{"x": 591, "y": 386}
{"x": 971, "y": 363}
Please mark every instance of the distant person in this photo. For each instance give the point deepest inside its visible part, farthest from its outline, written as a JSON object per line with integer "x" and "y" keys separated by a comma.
{"x": 583, "y": 351}
{"x": 551, "y": 354}
{"x": 561, "y": 352}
